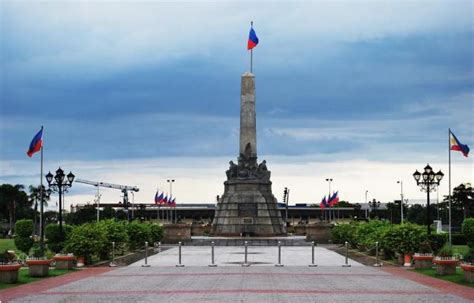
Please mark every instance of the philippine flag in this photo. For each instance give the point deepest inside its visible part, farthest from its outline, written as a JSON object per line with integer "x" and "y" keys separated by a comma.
{"x": 334, "y": 199}
{"x": 173, "y": 202}
{"x": 253, "y": 39}
{"x": 456, "y": 145}
{"x": 323, "y": 203}
{"x": 36, "y": 144}
{"x": 160, "y": 199}
{"x": 157, "y": 198}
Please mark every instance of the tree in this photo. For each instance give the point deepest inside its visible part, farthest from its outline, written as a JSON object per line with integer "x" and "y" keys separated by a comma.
{"x": 462, "y": 203}
{"x": 35, "y": 199}
{"x": 14, "y": 203}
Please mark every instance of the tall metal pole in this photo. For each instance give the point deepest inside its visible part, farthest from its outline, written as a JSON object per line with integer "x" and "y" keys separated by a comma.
{"x": 401, "y": 201}
{"x": 449, "y": 194}
{"x": 251, "y": 52}
{"x": 428, "y": 217}
{"x": 60, "y": 189}
{"x": 98, "y": 203}
{"x": 133, "y": 204}
{"x": 41, "y": 196}
{"x": 366, "y": 203}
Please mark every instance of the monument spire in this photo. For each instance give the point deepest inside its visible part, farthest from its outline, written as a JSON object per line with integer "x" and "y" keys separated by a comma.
{"x": 248, "y": 122}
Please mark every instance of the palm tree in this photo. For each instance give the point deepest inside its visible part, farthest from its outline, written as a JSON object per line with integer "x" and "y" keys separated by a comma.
{"x": 35, "y": 197}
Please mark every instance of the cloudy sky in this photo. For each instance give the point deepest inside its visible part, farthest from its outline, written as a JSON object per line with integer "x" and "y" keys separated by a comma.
{"x": 139, "y": 92}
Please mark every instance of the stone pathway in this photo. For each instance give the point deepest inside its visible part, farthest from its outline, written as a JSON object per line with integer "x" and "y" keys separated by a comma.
{"x": 259, "y": 283}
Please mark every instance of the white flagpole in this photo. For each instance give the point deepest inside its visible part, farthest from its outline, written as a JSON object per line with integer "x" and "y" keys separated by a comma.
{"x": 449, "y": 194}
{"x": 41, "y": 190}
{"x": 251, "y": 51}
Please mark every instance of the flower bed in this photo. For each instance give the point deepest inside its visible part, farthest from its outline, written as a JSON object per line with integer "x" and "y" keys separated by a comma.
{"x": 423, "y": 260}
{"x": 445, "y": 265}
{"x": 38, "y": 267}
{"x": 9, "y": 273}
{"x": 468, "y": 270}
{"x": 64, "y": 261}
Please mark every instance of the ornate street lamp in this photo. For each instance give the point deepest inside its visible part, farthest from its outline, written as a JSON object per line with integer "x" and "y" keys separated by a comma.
{"x": 428, "y": 182}
{"x": 60, "y": 186}
{"x": 41, "y": 196}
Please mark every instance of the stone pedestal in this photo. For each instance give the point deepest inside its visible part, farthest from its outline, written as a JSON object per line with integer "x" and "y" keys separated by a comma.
{"x": 247, "y": 208}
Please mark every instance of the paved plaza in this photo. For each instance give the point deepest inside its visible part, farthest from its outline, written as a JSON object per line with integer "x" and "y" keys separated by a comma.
{"x": 230, "y": 282}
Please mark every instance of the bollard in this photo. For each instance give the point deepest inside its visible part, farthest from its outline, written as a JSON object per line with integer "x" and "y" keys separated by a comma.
{"x": 112, "y": 264}
{"x": 279, "y": 255}
{"x": 159, "y": 247}
{"x": 212, "y": 255}
{"x": 179, "y": 256}
{"x": 312, "y": 255}
{"x": 245, "y": 260}
{"x": 146, "y": 256}
{"x": 377, "y": 264}
{"x": 347, "y": 256}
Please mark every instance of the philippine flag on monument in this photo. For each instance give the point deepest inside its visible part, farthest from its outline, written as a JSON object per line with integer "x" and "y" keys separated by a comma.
{"x": 36, "y": 144}
{"x": 253, "y": 39}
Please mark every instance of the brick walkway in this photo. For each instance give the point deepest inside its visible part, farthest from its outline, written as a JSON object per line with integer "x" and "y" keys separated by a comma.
{"x": 229, "y": 282}
{"x": 45, "y": 284}
{"x": 443, "y": 286}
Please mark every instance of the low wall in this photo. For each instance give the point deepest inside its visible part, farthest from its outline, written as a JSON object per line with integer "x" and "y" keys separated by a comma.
{"x": 200, "y": 230}
{"x": 133, "y": 257}
{"x": 175, "y": 233}
{"x": 320, "y": 233}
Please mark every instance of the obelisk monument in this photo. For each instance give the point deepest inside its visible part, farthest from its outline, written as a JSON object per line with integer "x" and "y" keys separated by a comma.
{"x": 248, "y": 206}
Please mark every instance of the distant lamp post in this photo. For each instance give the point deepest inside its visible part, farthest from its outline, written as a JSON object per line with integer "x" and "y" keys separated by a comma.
{"x": 401, "y": 201}
{"x": 61, "y": 184}
{"x": 428, "y": 182}
{"x": 374, "y": 205}
{"x": 286, "y": 195}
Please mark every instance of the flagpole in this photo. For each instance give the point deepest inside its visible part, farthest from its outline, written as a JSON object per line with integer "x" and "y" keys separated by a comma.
{"x": 251, "y": 52}
{"x": 41, "y": 191}
{"x": 449, "y": 194}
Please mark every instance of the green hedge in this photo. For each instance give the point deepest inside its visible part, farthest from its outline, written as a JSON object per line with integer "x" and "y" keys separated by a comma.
{"x": 95, "y": 239}
{"x": 402, "y": 239}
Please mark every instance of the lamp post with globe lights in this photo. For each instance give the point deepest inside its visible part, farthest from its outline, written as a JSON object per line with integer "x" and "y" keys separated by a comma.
{"x": 61, "y": 184}
{"x": 428, "y": 182}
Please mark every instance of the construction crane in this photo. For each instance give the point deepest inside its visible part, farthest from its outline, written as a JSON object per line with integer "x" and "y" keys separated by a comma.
{"x": 124, "y": 188}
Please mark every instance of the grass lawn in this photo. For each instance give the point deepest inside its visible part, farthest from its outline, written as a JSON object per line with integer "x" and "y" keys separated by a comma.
{"x": 456, "y": 278}
{"x": 7, "y": 244}
{"x": 23, "y": 277}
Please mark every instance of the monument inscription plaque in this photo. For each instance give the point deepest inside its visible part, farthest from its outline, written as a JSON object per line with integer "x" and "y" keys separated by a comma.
{"x": 248, "y": 210}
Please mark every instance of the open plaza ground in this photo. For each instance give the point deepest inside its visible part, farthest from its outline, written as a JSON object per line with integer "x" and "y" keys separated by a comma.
{"x": 231, "y": 282}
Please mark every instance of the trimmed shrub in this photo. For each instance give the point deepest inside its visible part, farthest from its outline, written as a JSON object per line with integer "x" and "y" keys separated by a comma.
{"x": 156, "y": 232}
{"x": 468, "y": 231}
{"x": 86, "y": 241}
{"x": 115, "y": 232}
{"x": 445, "y": 251}
{"x": 404, "y": 239}
{"x": 138, "y": 233}
{"x": 23, "y": 235}
{"x": 437, "y": 241}
{"x": 344, "y": 232}
{"x": 369, "y": 233}
{"x": 54, "y": 238}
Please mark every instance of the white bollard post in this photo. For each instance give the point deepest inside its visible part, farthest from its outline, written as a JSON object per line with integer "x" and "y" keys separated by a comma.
{"x": 377, "y": 264}
{"x": 279, "y": 255}
{"x": 245, "y": 260}
{"x": 112, "y": 263}
{"x": 146, "y": 256}
{"x": 347, "y": 256}
{"x": 179, "y": 256}
{"x": 212, "y": 255}
{"x": 312, "y": 255}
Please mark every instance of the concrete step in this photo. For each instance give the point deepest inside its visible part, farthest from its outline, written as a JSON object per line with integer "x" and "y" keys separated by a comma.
{"x": 254, "y": 241}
